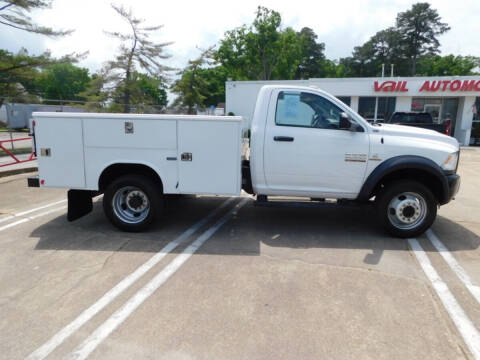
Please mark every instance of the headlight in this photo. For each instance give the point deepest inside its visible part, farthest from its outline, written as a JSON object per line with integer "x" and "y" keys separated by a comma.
{"x": 450, "y": 163}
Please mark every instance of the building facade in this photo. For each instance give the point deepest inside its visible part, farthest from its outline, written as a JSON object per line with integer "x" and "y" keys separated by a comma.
{"x": 453, "y": 98}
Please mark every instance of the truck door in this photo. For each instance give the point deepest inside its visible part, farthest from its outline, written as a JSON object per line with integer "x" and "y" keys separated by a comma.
{"x": 305, "y": 153}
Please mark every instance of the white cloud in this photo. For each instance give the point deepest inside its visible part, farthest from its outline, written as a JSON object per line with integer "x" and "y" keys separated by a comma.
{"x": 340, "y": 24}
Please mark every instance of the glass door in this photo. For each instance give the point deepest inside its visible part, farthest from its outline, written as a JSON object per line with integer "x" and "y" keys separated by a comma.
{"x": 475, "y": 132}
{"x": 434, "y": 110}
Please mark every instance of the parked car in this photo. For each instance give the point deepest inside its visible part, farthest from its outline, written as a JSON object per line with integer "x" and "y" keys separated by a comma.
{"x": 304, "y": 143}
{"x": 419, "y": 119}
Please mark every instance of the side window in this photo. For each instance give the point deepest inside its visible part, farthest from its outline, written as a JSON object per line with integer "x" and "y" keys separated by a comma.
{"x": 306, "y": 110}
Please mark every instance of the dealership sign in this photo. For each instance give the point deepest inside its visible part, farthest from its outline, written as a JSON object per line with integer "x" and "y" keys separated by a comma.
{"x": 428, "y": 86}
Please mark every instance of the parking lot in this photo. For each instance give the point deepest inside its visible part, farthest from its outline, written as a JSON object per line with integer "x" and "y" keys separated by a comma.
{"x": 220, "y": 278}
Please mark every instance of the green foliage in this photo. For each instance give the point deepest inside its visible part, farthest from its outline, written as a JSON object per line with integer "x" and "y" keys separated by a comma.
{"x": 449, "y": 65}
{"x": 215, "y": 78}
{"x": 265, "y": 51}
{"x": 252, "y": 53}
{"x": 383, "y": 48}
{"x": 13, "y": 13}
{"x": 18, "y": 73}
{"x": 62, "y": 82}
{"x": 414, "y": 37}
{"x": 312, "y": 63}
{"x": 192, "y": 88}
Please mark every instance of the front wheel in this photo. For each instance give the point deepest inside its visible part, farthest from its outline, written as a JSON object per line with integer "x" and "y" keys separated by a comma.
{"x": 132, "y": 202}
{"x": 406, "y": 208}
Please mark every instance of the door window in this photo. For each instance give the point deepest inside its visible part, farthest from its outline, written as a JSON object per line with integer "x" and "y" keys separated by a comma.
{"x": 306, "y": 110}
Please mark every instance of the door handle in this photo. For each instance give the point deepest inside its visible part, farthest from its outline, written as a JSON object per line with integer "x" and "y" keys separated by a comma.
{"x": 283, "y": 138}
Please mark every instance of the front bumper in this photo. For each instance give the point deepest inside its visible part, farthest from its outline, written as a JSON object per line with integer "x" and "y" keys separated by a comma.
{"x": 453, "y": 186}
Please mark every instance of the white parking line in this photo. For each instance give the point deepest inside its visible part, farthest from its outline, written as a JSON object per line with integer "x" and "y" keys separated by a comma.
{"x": 464, "y": 325}
{"x": 87, "y": 314}
{"x": 454, "y": 265}
{"x": 22, "y": 213}
{"x": 117, "y": 318}
{"x": 30, "y": 218}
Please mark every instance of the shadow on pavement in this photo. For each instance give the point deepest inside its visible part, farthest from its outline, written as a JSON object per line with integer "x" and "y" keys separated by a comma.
{"x": 298, "y": 228}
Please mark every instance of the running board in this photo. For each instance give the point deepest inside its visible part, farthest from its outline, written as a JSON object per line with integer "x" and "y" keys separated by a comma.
{"x": 262, "y": 200}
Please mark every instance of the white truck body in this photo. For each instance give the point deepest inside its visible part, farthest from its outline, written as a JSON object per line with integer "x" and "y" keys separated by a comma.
{"x": 83, "y": 145}
{"x": 304, "y": 142}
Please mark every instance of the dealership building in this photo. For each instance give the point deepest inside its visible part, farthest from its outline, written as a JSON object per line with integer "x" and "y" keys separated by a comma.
{"x": 453, "y": 99}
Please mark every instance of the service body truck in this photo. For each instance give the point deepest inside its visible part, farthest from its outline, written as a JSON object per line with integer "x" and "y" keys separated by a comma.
{"x": 303, "y": 143}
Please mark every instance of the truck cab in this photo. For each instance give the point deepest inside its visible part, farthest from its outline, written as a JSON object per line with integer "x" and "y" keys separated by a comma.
{"x": 305, "y": 142}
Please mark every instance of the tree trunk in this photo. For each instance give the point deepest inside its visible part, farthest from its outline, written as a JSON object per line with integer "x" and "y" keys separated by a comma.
{"x": 414, "y": 65}
{"x": 126, "y": 93}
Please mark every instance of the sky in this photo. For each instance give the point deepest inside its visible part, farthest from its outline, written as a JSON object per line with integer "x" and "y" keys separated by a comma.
{"x": 190, "y": 25}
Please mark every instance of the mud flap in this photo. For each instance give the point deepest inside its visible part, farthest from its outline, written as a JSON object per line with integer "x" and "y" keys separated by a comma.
{"x": 79, "y": 203}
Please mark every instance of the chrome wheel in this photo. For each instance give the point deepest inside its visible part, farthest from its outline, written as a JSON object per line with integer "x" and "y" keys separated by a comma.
{"x": 407, "y": 210}
{"x": 130, "y": 204}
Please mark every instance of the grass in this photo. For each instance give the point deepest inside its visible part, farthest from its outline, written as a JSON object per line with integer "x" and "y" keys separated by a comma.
{"x": 22, "y": 150}
{"x": 5, "y": 129}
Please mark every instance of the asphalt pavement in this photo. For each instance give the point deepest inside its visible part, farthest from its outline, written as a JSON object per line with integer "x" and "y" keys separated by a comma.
{"x": 219, "y": 278}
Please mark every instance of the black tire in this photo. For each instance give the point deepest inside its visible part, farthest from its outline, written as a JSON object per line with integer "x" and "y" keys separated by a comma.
{"x": 142, "y": 185}
{"x": 394, "y": 205}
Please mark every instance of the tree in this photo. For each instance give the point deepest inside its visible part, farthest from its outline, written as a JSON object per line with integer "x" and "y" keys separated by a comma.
{"x": 136, "y": 52}
{"x": 215, "y": 77}
{"x": 312, "y": 63}
{"x": 419, "y": 28}
{"x": 13, "y": 13}
{"x": 383, "y": 48}
{"x": 265, "y": 41}
{"x": 192, "y": 88}
{"x": 252, "y": 53}
{"x": 290, "y": 55}
{"x": 449, "y": 65}
{"x": 62, "y": 82}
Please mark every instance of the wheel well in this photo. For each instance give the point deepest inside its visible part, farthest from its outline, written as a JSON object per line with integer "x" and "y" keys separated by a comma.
{"x": 426, "y": 178}
{"x": 114, "y": 171}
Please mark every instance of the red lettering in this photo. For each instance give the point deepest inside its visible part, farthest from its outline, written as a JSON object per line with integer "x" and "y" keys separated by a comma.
{"x": 477, "y": 86}
{"x": 376, "y": 87}
{"x": 455, "y": 85}
{"x": 425, "y": 86}
{"x": 435, "y": 85}
{"x": 445, "y": 84}
{"x": 389, "y": 86}
{"x": 403, "y": 88}
{"x": 468, "y": 85}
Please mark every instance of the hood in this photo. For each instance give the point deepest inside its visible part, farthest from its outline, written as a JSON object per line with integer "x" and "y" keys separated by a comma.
{"x": 415, "y": 132}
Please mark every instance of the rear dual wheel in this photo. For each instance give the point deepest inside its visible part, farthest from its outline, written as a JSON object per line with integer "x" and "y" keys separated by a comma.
{"x": 132, "y": 202}
{"x": 406, "y": 208}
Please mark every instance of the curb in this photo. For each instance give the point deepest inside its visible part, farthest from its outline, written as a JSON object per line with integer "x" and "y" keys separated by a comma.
{"x": 18, "y": 171}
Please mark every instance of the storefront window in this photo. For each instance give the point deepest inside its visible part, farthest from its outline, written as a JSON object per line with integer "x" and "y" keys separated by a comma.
{"x": 345, "y": 99}
{"x": 443, "y": 110}
{"x": 366, "y": 107}
{"x": 418, "y": 104}
{"x": 376, "y": 108}
{"x": 386, "y": 107}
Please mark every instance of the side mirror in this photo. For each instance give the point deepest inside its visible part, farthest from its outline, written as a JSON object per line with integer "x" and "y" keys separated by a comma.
{"x": 345, "y": 122}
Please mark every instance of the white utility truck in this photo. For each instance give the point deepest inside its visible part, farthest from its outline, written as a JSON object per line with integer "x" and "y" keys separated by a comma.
{"x": 303, "y": 143}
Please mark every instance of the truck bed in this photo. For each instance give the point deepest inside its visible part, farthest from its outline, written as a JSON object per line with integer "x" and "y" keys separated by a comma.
{"x": 191, "y": 154}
